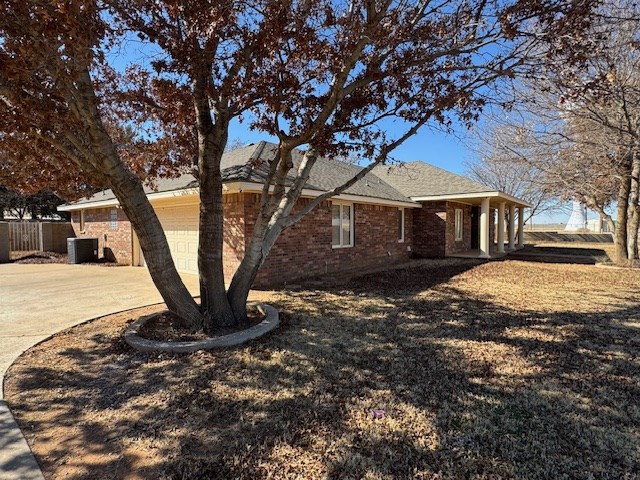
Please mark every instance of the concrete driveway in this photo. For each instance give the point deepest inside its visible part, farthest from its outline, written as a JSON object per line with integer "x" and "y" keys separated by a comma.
{"x": 37, "y": 301}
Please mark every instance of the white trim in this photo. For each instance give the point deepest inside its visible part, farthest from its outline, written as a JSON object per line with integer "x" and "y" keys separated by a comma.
{"x": 113, "y": 202}
{"x": 351, "y": 225}
{"x": 81, "y": 222}
{"x": 310, "y": 193}
{"x": 232, "y": 187}
{"x": 402, "y": 228}
{"x": 479, "y": 196}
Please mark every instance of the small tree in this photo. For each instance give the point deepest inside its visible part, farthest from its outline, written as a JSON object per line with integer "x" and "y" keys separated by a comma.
{"x": 316, "y": 73}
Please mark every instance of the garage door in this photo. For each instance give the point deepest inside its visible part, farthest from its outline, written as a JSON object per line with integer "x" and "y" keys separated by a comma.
{"x": 181, "y": 228}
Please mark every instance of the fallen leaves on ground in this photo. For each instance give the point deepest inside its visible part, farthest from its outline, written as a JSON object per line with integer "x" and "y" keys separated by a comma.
{"x": 446, "y": 369}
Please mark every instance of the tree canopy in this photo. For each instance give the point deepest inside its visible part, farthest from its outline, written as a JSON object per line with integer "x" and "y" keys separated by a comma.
{"x": 318, "y": 74}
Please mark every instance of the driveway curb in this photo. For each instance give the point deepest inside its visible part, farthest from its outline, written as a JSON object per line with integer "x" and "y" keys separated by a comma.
{"x": 16, "y": 460}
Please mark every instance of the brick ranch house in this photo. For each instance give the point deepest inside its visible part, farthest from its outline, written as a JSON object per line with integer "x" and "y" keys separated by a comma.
{"x": 414, "y": 209}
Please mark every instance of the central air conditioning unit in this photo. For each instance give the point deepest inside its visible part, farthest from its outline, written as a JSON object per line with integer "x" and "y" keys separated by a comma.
{"x": 81, "y": 250}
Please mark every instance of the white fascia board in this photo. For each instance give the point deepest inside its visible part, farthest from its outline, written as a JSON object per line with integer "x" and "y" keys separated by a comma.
{"x": 113, "y": 202}
{"x": 479, "y": 195}
{"x": 309, "y": 193}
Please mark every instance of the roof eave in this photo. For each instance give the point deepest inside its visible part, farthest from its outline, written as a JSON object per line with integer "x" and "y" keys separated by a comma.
{"x": 312, "y": 193}
{"x": 113, "y": 202}
{"x": 475, "y": 195}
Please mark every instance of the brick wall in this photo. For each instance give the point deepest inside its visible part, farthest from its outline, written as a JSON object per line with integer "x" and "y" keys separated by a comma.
{"x": 305, "y": 249}
{"x": 453, "y": 245}
{"x": 429, "y": 229}
{"x": 114, "y": 244}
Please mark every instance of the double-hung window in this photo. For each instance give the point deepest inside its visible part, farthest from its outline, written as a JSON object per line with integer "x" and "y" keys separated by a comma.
{"x": 341, "y": 225}
{"x": 458, "y": 224}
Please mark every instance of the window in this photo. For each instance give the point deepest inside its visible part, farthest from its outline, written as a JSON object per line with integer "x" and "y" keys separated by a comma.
{"x": 114, "y": 219}
{"x": 458, "y": 224}
{"x": 401, "y": 225}
{"x": 81, "y": 221}
{"x": 341, "y": 225}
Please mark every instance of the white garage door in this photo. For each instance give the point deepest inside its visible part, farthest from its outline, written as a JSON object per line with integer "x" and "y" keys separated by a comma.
{"x": 181, "y": 228}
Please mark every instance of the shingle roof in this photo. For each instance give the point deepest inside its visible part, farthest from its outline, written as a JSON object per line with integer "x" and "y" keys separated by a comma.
{"x": 325, "y": 175}
{"x": 397, "y": 183}
{"x": 250, "y": 164}
{"x": 419, "y": 179}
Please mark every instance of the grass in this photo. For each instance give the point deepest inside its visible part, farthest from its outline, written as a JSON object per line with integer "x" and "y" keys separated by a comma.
{"x": 447, "y": 369}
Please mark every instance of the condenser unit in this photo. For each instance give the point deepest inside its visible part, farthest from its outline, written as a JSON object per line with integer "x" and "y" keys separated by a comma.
{"x": 81, "y": 250}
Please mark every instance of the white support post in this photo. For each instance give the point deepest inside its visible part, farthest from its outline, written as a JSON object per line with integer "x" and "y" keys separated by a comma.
{"x": 520, "y": 227}
{"x": 500, "y": 227}
{"x": 484, "y": 228}
{"x": 512, "y": 227}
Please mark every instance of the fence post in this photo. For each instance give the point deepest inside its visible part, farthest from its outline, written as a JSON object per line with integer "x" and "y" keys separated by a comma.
{"x": 4, "y": 242}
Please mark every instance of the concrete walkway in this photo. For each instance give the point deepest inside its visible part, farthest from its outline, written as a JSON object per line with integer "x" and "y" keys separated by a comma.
{"x": 37, "y": 301}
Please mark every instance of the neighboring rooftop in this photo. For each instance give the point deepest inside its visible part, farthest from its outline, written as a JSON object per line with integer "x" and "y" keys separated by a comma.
{"x": 419, "y": 179}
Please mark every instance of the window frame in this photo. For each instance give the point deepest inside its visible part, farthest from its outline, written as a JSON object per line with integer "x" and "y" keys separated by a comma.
{"x": 458, "y": 225}
{"x": 351, "y": 208}
{"x": 401, "y": 231}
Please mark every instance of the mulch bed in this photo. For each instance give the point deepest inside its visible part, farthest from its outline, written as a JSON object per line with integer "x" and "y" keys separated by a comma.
{"x": 447, "y": 370}
{"x": 39, "y": 257}
{"x": 167, "y": 327}
{"x": 54, "y": 257}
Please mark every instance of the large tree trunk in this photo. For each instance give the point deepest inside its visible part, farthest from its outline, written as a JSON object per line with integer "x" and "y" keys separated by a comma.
{"x": 620, "y": 233}
{"x": 213, "y": 296}
{"x": 212, "y": 138}
{"x": 128, "y": 189}
{"x": 259, "y": 247}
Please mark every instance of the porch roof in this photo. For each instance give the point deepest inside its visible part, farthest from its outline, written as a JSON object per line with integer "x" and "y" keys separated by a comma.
{"x": 495, "y": 198}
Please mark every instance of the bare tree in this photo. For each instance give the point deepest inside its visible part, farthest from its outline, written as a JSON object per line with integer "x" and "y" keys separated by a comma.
{"x": 503, "y": 162}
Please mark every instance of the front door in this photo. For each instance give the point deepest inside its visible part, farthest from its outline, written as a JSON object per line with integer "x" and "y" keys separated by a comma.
{"x": 475, "y": 228}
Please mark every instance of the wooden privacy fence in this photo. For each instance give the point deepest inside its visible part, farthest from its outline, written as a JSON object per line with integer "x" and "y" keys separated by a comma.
{"x": 38, "y": 236}
{"x": 25, "y": 236}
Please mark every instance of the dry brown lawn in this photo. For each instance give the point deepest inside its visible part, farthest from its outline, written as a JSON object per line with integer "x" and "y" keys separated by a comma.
{"x": 444, "y": 370}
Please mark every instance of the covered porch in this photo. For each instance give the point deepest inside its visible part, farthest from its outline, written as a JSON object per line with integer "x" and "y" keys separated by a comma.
{"x": 488, "y": 210}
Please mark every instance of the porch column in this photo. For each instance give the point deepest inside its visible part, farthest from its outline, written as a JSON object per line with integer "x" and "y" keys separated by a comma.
{"x": 520, "y": 227}
{"x": 484, "y": 228}
{"x": 512, "y": 227}
{"x": 500, "y": 227}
